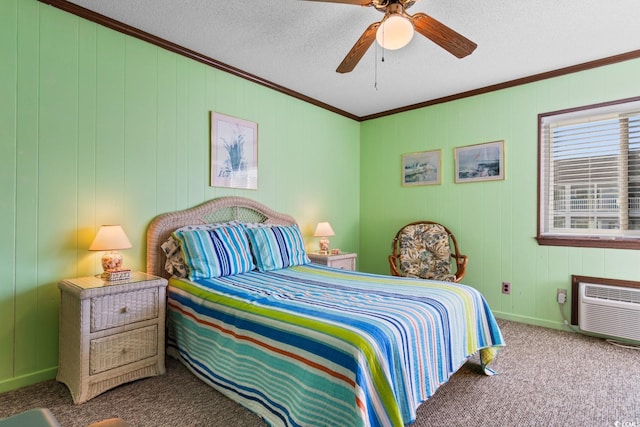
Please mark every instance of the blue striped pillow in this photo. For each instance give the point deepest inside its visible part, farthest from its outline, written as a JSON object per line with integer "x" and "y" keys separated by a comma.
{"x": 217, "y": 252}
{"x": 277, "y": 247}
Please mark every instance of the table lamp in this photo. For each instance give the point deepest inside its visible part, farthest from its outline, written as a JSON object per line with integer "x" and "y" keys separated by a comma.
{"x": 111, "y": 238}
{"x": 323, "y": 230}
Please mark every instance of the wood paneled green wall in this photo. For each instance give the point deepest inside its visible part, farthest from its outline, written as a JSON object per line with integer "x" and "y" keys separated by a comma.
{"x": 97, "y": 127}
{"x": 495, "y": 222}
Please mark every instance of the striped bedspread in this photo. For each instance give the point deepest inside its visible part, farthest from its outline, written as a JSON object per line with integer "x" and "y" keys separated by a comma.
{"x": 314, "y": 346}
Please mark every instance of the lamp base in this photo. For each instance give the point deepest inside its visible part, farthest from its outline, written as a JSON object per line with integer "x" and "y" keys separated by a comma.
{"x": 111, "y": 260}
{"x": 324, "y": 245}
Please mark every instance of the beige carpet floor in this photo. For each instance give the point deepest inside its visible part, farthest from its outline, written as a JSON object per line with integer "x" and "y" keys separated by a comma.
{"x": 545, "y": 378}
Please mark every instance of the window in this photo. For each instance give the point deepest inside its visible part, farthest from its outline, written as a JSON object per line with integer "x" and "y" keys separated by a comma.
{"x": 589, "y": 176}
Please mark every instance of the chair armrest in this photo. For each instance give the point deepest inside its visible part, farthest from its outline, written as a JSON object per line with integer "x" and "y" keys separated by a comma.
{"x": 461, "y": 266}
{"x": 393, "y": 263}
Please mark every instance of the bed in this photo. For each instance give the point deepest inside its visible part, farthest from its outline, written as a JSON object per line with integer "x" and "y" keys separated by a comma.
{"x": 301, "y": 344}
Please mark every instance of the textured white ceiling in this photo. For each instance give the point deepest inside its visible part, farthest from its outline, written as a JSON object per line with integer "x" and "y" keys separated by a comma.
{"x": 298, "y": 44}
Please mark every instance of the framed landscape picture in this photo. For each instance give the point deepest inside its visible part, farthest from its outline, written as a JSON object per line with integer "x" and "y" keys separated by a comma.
{"x": 234, "y": 152}
{"x": 481, "y": 162}
{"x": 421, "y": 168}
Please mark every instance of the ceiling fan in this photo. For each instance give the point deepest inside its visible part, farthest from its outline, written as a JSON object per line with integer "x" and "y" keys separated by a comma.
{"x": 396, "y": 29}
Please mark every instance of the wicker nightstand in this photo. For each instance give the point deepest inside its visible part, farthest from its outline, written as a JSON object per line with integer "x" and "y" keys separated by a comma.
{"x": 344, "y": 261}
{"x": 110, "y": 332}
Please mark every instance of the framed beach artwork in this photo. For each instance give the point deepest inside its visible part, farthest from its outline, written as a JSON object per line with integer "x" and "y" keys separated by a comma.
{"x": 480, "y": 162}
{"x": 423, "y": 168}
{"x": 234, "y": 152}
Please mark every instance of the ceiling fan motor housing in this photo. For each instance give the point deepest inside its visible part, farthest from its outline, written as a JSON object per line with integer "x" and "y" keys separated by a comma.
{"x": 383, "y": 5}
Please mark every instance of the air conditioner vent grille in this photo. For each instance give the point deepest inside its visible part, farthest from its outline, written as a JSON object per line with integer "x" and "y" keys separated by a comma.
{"x": 609, "y": 310}
{"x": 613, "y": 293}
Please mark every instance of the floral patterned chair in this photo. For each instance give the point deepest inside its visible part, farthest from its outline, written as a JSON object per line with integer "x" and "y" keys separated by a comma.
{"x": 425, "y": 249}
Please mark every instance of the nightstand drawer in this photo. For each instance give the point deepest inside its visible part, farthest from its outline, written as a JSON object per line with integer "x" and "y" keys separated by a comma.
{"x": 121, "y": 349}
{"x": 344, "y": 264}
{"x": 122, "y": 309}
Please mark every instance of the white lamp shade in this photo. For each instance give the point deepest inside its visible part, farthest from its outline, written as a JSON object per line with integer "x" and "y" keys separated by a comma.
{"x": 395, "y": 32}
{"x": 324, "y": 230}
{"x": 110, "y": 238}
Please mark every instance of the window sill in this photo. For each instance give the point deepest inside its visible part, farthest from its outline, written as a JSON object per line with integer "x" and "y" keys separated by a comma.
{"x": 589, "y": 242}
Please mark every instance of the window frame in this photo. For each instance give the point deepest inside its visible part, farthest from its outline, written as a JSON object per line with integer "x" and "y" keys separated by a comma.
{"x": 612, "y": 242}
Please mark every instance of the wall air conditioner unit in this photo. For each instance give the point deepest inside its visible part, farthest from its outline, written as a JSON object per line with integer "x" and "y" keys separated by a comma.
{"x": 609, "y": 310}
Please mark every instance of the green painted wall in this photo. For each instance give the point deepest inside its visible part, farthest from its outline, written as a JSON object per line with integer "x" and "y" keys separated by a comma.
{"x": 494, "y": 222}
{"x": 97, "y": 127}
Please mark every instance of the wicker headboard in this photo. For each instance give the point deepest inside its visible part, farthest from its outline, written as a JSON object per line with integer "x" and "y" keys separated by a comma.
{"x": 217, "y": 210}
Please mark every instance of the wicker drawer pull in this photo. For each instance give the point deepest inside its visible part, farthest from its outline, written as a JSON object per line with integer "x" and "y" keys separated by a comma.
{"x": 121, "y": 349}
{"x": 125, "y": 308}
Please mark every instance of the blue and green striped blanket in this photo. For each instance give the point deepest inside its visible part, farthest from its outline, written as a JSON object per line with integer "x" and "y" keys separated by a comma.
{"x": 314, "y": 346}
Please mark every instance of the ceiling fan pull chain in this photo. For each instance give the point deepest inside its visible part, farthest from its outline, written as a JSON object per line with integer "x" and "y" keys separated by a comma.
{"x": 382, "y": 46}
{"x": 375, "y": 69}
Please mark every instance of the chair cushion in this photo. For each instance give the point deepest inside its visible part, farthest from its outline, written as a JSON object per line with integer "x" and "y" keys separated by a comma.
{"x": 425, "y": 252}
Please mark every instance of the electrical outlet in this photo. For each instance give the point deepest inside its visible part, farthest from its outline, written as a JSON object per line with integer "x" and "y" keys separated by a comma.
{"x": 506, "y": 287}
{"x": 561, "y": 296}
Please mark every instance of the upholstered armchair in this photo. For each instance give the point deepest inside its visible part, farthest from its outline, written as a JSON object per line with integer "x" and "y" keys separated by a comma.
{"x": 425, "y": 249}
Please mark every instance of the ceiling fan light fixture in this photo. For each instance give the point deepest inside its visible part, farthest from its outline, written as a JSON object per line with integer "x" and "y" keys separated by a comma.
{"x": 394, "y": 32}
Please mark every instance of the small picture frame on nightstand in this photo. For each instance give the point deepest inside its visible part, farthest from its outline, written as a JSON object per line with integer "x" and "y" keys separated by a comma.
{"x": 112, "y": 276}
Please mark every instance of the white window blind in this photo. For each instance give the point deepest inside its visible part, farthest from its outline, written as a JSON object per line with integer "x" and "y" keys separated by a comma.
{"x": 590, "y": 172}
